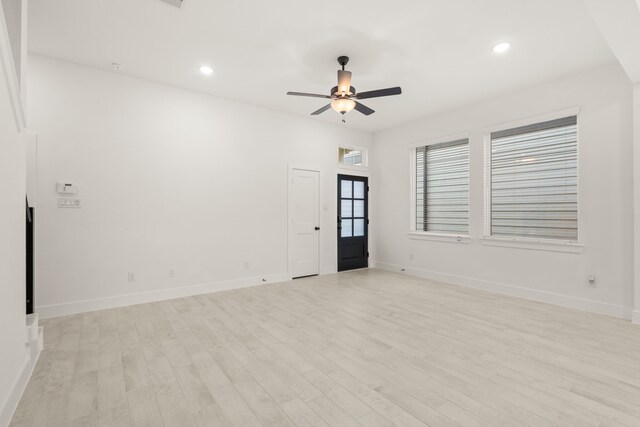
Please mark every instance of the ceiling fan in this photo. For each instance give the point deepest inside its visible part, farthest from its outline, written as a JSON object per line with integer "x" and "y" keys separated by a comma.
{"x": 344, "y": 96}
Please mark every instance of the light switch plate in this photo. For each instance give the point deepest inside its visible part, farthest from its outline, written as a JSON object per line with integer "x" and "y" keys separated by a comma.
{"x": 69, "y": 203}
{"x": 66, "y": 188}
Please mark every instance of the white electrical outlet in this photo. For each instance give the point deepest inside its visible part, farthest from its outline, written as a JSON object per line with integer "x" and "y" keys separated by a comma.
{"x": 69, "y": 203}
{"x": 411, "y": 257}
{"x": 246, "y": 265}
{"x": 591, "y": 281}
{"x": 172, "y": 272}
{"x": 132, "y": 277}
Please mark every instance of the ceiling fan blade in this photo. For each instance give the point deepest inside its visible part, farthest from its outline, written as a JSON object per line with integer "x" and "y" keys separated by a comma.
{"x": 363, "y": 109}
{"x": 311, "y": 95}
{"x": 344, "y": 81}
{"x": 322, "y": 110}
{"x": 380, "y": 92}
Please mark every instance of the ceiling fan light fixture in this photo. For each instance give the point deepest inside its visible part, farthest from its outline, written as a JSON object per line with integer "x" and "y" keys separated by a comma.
{"x": 343, "y": 105}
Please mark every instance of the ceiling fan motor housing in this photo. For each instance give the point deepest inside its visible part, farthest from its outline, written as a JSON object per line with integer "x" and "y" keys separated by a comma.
{"x": 334, "y": 91}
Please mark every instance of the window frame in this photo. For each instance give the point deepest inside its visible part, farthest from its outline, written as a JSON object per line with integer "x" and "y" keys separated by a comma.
{"x": 346, "y": 166}
{"x": 560, "y": 245}
{"x": 413, "y": 232}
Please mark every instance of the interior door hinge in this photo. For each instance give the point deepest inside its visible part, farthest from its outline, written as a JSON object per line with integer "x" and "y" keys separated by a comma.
{"x": 367, "y": 188}
{"x": 367, "y": 254}
{"x": 367, "y": 221}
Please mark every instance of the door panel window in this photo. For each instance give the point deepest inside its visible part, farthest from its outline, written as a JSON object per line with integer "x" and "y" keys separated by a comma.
{"x": 358, "y": 208}
{"x": 346, "y": 189}
{"x": 347, "y": 209}
{"x": 358, "y": 190}
{"x": 347, "y": 230}
{"x": 358, "y": 227}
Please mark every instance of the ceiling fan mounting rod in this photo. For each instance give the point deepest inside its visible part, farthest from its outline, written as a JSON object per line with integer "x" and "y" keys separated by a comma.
{"x": 343, "y": 60}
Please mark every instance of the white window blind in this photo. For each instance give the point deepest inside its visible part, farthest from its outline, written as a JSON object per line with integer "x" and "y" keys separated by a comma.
{"x": 534, "y": 181}
{"x": 442, "y": 187}
{"x": 353, "y": 157}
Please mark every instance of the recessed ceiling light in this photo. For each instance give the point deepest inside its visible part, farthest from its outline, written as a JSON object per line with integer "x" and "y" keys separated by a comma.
{"x": 118, "y": 66}
{"x": 206, "y": 70}
{"x": 501, "y": 47}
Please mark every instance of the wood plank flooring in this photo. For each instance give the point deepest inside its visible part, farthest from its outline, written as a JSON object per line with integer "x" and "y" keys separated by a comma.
{"x": 366, "y": 348}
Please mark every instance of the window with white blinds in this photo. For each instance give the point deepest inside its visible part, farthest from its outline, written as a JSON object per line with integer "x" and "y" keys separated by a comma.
{"x": 442, "y": 187}
{"x": 534, "y": 181}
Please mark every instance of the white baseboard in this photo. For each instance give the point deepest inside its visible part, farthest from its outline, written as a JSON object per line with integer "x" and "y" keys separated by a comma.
{"x": 328, "y": 270}
{"x": 84, "y": 306}
{"x": 516, "y": 291}
{"x": 635, "y": 317}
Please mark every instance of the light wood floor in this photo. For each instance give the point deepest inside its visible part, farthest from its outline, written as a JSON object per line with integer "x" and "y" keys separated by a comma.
{"x": 364, "y": 348}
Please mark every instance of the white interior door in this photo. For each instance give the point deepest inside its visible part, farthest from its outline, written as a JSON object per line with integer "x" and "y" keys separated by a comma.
{"x": 305, "y": 224}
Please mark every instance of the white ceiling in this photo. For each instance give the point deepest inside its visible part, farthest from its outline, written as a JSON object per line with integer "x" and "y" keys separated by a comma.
{"x": 619, "y": 24}
{"x": 439, "y": 51}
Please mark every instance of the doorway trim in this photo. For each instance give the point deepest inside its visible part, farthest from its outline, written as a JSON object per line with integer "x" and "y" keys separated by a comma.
{"x": 311, "y": 168}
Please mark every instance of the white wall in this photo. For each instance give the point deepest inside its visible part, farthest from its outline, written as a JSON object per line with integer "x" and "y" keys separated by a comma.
{"x": 13, "y": 18}
{"x": 167, "y": 179}
{"x": 12, "y": 251}
{"x": 636, "y": 189}
{"x": 175, "y": 179}
{"x": 604, "y": 96}
{"x": 13, "y": 353}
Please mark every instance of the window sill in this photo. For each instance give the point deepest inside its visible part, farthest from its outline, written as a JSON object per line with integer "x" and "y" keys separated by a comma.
{"x": 535, "y": 244}
{"x": 436, "y": 237}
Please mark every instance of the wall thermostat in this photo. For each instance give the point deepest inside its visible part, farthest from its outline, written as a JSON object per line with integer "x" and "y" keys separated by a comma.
{"x": 66, "y": 188}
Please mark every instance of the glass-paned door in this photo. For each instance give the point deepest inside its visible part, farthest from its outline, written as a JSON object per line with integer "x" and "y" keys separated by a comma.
{"x": 352, "y": 222}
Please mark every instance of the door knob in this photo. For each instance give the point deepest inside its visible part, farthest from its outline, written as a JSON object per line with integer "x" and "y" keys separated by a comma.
{"x": 317, "y": 228}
